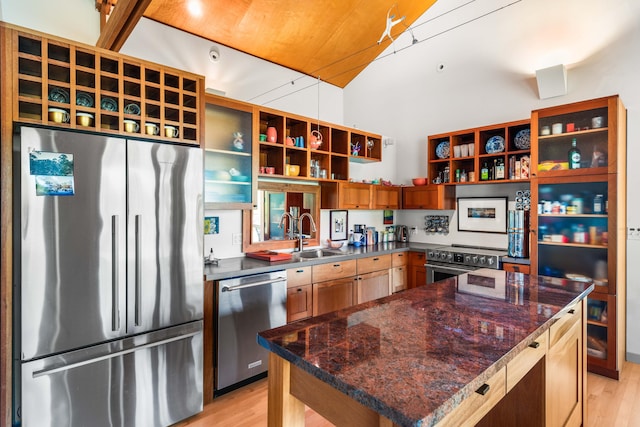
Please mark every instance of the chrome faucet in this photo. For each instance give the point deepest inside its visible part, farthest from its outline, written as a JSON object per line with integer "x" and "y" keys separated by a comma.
{"x": 300, "y": 234}
{"x": 289, "y": 232}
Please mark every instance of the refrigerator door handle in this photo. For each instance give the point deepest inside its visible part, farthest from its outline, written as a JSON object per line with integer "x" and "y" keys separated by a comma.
{"x": 138, "y": 267}
{"x": 59, "y": 368}
{"x": 115, "y": 313}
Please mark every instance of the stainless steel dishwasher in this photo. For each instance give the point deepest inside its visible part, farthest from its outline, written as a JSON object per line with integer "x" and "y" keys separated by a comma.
{"x": 247, "y": 305}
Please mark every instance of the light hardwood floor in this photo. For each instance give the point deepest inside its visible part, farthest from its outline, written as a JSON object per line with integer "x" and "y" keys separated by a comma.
{"x": 609, "y": 403}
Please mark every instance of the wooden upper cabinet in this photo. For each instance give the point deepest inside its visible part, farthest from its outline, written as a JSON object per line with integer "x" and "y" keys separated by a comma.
{"x": 69, "y": 85}
{"x": 346, "y": 195}
{"x": 428, "y": 197}
{"x": 386, "y": 197}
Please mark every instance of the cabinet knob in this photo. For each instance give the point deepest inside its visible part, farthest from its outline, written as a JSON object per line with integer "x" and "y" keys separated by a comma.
{"x": 483, "y": 389}
{"x": 572, "y": 311}
{"x": 534, "y": 344}
{"x": 376, "y": 259}
{"x": 336, "y": 265}
{"x": 299, "y": 271}
{"x": 299, "y": 290}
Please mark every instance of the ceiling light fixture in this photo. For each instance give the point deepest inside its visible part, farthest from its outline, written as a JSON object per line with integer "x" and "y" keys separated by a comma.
{"x": 195, "y": 8}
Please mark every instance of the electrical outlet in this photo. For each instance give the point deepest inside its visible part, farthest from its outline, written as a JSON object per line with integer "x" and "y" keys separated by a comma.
{"x": 236, "y": 238}
{"x": 633, "y": 233}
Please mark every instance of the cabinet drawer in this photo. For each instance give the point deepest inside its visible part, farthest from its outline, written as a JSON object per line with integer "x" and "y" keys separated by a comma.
{"x": 333, "y": 270}
{"x": 399, "y": 259}
{"x": 476, "y": 406}
{"x": 516, "y": 268}
{"x": 374, "y": 263}
{"x": 523, "y": 362}
{"x": 564, "y": 323}
{"x": 298, "y": 276}
{"x": 417, "y": 259}
{"x": 332, "y": 295}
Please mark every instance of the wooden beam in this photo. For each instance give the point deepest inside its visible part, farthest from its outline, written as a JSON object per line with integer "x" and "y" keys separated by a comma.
{"x": 123, "y": 19}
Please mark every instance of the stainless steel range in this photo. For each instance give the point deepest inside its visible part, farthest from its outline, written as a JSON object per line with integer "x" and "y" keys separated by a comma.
{"x": 448, "y": 261}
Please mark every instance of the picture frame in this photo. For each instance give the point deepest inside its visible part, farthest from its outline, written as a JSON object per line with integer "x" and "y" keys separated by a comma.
{"x": 338, "y": 225}
{"x": 482, "y": 214}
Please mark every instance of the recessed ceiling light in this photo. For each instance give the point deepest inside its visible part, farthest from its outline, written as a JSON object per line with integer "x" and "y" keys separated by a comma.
{"x": 195, "y": 8}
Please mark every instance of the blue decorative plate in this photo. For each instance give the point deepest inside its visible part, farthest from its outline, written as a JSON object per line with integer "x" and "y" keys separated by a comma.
{"x": 60, "y": 95}
{"x": 442, "y": 150}
{"x": 495, "y": 144}
{"x": 522, "y": 140}
{"x": 109, "y": 104}
{"x": 83, "y": 99}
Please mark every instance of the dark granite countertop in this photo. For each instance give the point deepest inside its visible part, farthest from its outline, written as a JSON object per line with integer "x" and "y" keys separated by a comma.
{"x": 243, "y": 266}
{"x": 415, "y": 355}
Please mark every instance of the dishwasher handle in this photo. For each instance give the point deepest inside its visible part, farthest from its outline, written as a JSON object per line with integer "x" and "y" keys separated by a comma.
{"x": 226, "y": 288}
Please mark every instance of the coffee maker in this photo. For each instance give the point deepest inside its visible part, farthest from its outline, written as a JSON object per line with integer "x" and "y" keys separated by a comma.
{"x": 402, "y": 233}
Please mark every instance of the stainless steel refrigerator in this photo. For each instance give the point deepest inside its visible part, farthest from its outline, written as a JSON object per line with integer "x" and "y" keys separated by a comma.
{"x": 109, "y": 280}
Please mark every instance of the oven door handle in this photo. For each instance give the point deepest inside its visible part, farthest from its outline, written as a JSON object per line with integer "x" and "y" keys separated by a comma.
{"x": 442, "y": 267}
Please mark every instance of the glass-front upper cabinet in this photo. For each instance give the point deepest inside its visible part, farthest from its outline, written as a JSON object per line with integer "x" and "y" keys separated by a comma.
{"x": 228, "y": 168}
{"x": 577, "y": 139}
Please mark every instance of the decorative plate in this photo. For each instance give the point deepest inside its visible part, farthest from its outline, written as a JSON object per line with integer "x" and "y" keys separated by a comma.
{"x": 495, "y": 144}
{"x": 132, "y": 109}
{"x": 442, "y": 150}
{"x": 522, "y": 140}
{"x": 83, "y": 99}
{"x": 109, "y": 104}
{"x": 57, "y": 94}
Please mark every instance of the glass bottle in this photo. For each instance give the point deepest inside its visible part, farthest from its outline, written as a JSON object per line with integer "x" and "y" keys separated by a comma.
{"x": 574, "y": 155}
{"x": 484, "y": 172}
{"x": 500, "y": 169}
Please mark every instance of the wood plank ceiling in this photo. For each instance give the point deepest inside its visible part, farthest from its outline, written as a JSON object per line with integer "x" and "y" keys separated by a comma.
{"x": 333, "y": 40}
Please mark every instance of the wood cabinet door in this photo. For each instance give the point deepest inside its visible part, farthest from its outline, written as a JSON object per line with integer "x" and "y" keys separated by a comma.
{"x": 372, "y": 286}
{"x": 299, "y": 303}
{"x": 355, "y": 196}
{"x": 417, "y": 276}
{"x": 565, "y": 374}
{"x": 399, "y": 279}
{"x": 386, "y": 197}
{"x": 428, "y": 197}
{"x": 333, "y": 295}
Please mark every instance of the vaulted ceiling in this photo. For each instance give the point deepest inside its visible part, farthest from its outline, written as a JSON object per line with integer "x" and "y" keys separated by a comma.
{"x": 333, "y": 40}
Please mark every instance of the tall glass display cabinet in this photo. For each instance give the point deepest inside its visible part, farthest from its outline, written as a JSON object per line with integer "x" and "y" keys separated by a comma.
{"x": 578, "y": 220}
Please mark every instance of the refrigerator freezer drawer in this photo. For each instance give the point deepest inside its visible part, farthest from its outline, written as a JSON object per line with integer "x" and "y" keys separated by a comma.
{"x": 102, "y": 385}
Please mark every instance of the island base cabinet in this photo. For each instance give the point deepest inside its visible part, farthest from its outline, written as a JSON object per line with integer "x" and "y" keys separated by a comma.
{"x": 565, "y": 370}
{"x": 333, "y": 295}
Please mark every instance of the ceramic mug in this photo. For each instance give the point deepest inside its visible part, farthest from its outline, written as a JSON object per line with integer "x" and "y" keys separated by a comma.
{"x": 556, "y": 128}
{"x": 151, "y": 129}
{"x": 170, "y": 131}
{"x": 58, "y": 115}
{"x": 84, "y": 119}
{"x": 544, "y": 130}
{"x": 131, "y": 126}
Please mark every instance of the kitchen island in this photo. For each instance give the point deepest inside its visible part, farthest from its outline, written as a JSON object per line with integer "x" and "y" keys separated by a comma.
{"x": 488, "y": 347}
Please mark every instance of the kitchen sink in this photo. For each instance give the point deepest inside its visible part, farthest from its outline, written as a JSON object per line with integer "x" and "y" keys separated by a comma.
{"x": 316, "y": 253}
